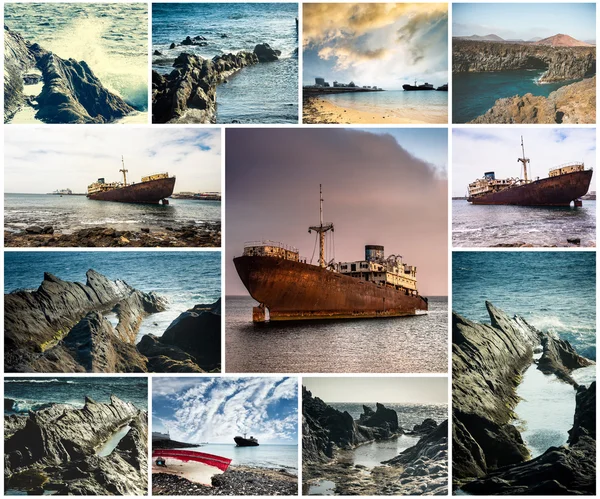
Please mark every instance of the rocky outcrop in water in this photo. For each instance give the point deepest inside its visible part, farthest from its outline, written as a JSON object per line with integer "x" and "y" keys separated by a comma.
{"x": 189, "y": 92}
{"x": 560, "y": 63}
{"x": 54, "y": 449}
{"x": 71, "y": 92}
{"x": 574, "y": 103}
{"x": 488, "y": 362}
{"x": 382, "y": 417}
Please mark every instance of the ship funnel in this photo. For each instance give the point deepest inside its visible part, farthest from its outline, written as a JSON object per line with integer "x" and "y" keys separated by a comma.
{"x": 373, "y": 253}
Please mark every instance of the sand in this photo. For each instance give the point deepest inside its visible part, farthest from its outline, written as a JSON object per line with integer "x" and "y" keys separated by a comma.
{"x": 317, "y": 110}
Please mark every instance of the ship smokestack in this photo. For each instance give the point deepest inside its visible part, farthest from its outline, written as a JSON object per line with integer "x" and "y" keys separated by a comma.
{"x": 373, "y": 253}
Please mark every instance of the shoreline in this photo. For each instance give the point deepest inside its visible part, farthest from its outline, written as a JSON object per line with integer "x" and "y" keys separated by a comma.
{"x": 318, "y": 110}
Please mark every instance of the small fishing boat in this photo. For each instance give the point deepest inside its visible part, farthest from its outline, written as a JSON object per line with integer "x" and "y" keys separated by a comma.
{"x": 195, "y": 466}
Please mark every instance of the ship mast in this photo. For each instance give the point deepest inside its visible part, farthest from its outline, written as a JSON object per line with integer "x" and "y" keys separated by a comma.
{"x": 124, "y": 172}
{"x": 524, "y": 161}
{"x": 321, "y": 229}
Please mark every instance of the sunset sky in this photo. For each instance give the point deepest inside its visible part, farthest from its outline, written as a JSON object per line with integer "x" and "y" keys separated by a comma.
{"x": 379, "y": 188}
{"x": 382, "y": 44}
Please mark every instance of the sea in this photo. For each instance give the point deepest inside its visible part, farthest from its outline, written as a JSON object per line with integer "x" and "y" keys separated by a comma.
{"x": 264, "y": 456}
{"x": 474, "y": 93}
{"x": 31, "y": 394}
{"x": 555, "y": 291}
{"x": 403, "y": 344}
{"x": 70, "y": 213}
{"x": 264, "y": 93}
{"x": 423, "y": 106}
{"x": 112, "y": 38}
{"x": 481, "y": 226}
{"x": 184, "y": 278}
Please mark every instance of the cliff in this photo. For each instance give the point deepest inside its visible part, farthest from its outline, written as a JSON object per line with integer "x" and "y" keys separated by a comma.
{"x": 488, "y": 361}
{"x": 574, "y": 103}
{"x": 560, "y": 63}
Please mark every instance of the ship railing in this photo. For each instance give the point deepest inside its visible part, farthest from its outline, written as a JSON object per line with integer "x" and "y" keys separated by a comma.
{"x": 564, "y": 165}
{"x": 275, "y": 244}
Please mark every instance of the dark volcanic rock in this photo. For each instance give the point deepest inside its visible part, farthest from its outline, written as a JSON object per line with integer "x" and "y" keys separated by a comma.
{"x": 164, "y": 358}
{"x": 429, "y": 446}
{"x": 427, "y": 426}
{"x": 560, "y": 358}
{"x": 265, "y": 53}
{"x": 382, "y": 417}
{"x": 17, "y": 61}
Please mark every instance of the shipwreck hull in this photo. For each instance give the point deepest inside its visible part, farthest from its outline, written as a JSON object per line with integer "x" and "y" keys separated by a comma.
{"x": 551, "y": 191}
{"x": 151, "y": 192}
{"x": 298, "y": 291}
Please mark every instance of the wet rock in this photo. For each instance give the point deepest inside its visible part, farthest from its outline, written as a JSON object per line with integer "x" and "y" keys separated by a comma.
{"x": 34, "y": 229}
{"x": 156, "y": 52}
{"x": 265, "y": 53}
{"x": 427, "y": 426}
{"x": 172, "y": 46}
{"x": 382, "y": 417}
{"x": 17, "y": 61}
{"x": 166, "y": 358}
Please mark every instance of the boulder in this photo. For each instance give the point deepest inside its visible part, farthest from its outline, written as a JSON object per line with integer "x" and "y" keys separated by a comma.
{"x": 265, "y": 53}
{"x": 427, "y": 426}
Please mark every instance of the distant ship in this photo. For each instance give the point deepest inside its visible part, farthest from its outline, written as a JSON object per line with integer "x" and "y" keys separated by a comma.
{"x": 425, "y": 86}
{"x": 245, "y": 442}
{"x": 565, "y": 184}
{"x": 62, "y": 192}
{"x": 151, "y": 190}
{"x": 443, "y": 88}
{"x": 288, "y": 288}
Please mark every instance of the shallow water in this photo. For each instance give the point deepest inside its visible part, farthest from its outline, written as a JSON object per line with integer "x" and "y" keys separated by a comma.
{"x": 321, "y": 488}
{"x": 374, "y": 453}
{"x": 484, "y": 226}
{"x": 111, "y": 444}
{"x": 402, "y": 344}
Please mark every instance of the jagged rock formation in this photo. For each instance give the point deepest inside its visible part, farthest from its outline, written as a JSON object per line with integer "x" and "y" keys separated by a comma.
{"x": 381, "y": 417}
{"x": 58, "y": 327}
{"x": 561, "y": 63}
{"x": 428, "y": 425}
{"x": 488, "y": 361}
{"x": 71, "y": 92}
{"x": 191, "y": 88}
{"x": 55, "y": 449}
{"x": 574, "y": 103}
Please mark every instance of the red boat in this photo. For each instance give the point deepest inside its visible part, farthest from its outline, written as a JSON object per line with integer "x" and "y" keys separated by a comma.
{"x": 195, "y": 466}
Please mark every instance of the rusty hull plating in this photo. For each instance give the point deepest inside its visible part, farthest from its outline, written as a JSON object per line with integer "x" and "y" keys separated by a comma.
{"x": 150, "y": 192}
{"x": 292, "y": 290}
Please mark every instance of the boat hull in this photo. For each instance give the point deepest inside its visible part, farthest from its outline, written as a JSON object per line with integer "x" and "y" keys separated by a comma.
{"x": 551, "y": 191}
{"x": 411, "y": 88}
{"x": 299, "y": 291}
{"x": 151, "y": 192}
{"x": 244, "y": 442}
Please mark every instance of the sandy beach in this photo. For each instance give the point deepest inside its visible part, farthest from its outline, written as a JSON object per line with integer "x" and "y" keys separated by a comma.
{"x": 316, "y": 110}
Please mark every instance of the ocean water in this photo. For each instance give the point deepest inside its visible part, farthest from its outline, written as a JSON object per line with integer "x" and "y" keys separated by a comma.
{"x": 409, "y": 415}
{"x": 402, "y": 344}
{"x": 68, "y": 214}
{"x": 425, "y": 106}
{"x": 35, "y": 393}
{"x": 480, "y": 226}
{"x": 265, "y": 93}
{"x": 554, "y": 291}
{"x": 263, "y": 456}
{"x": 474, "y": 93}
{"x": 111, "y": 37}
{"x": 184, "y": 278}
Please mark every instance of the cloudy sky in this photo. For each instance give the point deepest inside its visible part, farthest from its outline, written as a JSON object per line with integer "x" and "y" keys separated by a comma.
{"x": 215, "y": 410}
{"x": 379, "y": 188}
{"x": 382, "y": 44}
{"x": 475, "y": 151}
{"x": 385, "y": 390}
{"x": 524, "y": 21}
{"x": 44, "y": 159}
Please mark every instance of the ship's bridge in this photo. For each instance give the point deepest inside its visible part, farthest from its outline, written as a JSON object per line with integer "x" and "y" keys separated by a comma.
{"x": 272, "y": 249}
{"x": 567, "y": 168}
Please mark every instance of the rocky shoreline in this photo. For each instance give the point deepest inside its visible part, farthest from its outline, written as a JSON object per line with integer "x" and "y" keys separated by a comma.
{"x": 489, "y": 455}
{"x": 569, "y": 243}
{"x": 236, "y": 481}
{"x": 71, "y": 93}
{"x": 61, "y": 327}
{"x": 54, "y": 450}
{"x": 206, "y": 235}
{"x": 327, "y": 432}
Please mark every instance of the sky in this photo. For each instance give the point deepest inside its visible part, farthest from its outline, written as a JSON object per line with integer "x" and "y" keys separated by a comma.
{"x": 381, "y": 44}
{"x": 525, "y": 21}
{"x": 44, "y": 159}
{"x": 475, "y": 151}
{"x": 369, "y": 390}
{"x": 378, "y": 188}
{"x": 216, "y": 409}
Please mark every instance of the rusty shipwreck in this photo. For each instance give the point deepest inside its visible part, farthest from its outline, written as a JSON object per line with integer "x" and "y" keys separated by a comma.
{"x": 565, "y": 184}
{"x": 153, "y": 189}
{"x": 288, "y": 288}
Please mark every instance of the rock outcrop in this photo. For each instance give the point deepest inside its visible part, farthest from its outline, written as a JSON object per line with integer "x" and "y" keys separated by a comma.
{"x": 189, "y": 92}
{"x": 488, "y": 362}
{"x": 381, "y": 417}
{"x": 561, "y": 63}
{"x": 71, "y": 92}
{"x": 574, "y": 103}
{"x": 55, "y": 449}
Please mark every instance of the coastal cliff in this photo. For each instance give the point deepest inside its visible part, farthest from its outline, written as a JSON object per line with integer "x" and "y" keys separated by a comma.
{"x": 574, "y": 103}
{"x": 55, "y": 449}
{"x": 61, "y": 327}
{"x": 71, "y": 93}
{"x": 489, "y": 455}
{"x": 560, "y": 63}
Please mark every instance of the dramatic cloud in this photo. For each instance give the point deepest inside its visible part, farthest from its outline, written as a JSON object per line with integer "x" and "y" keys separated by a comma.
{"x": 375, "y": 193}
{"x": 217, "y": 409}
